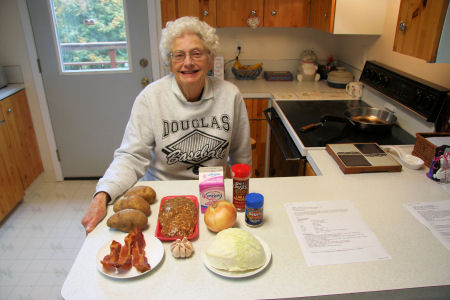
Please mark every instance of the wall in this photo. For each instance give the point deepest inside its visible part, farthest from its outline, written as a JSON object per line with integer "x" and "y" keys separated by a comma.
{"x": 354, "y": 50}
{"x": 13, "y": 52}
{"x": 278, "y": 48}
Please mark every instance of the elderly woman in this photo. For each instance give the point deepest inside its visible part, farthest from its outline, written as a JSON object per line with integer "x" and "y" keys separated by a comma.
{"x": 179, "y": 123}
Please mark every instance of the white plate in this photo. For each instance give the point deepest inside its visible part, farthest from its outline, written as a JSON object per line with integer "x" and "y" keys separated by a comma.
{"x": 154, "y": 251}
{"x": 240, "y": 274}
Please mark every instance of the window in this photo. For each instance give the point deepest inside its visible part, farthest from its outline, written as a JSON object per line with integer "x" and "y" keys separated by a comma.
{"x": 91, "y": 35}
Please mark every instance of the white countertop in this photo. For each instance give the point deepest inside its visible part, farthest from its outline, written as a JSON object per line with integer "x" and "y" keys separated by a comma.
{"x": 418, "y": 258}
{"x": 290, "y": 90}
{"x": 10, "y": 89}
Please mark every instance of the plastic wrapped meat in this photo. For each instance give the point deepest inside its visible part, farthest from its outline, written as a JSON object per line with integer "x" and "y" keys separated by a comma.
{"x": 177, "y": 217}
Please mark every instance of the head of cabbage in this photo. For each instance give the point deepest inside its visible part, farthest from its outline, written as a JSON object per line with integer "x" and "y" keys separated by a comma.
{"x": 235, "y": 249}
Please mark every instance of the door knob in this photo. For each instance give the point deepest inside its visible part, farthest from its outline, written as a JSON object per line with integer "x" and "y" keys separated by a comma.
{"x": 143, "y": 62}
{"x": 145, "y": 81}
{"x": 402, "y": 26}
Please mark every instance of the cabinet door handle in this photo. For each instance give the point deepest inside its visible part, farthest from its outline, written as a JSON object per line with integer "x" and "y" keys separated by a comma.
{"x": 9, "y": 110}
{"x": 274, "y": 12}
{"x": 402, "y": 26}
{"x": 2, "y": 121}
{"x": 205, "y": 13}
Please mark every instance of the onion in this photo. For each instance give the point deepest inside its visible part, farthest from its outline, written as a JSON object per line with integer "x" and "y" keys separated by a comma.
{"x": 220, "y": 215}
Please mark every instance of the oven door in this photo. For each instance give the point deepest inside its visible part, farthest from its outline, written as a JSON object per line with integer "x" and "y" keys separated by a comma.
{"x": 285, "y": 159}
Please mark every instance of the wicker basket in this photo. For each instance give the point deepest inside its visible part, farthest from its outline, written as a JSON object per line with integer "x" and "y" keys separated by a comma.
{"x": 424, "y": 148}
{"x": 244, "y": 74}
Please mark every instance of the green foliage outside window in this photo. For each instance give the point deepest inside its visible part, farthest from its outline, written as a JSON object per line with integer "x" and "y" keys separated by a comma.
{"x": 107, "y": 25}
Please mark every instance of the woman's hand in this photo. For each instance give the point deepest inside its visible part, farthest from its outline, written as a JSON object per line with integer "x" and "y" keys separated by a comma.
{"x": 96, "y": 212}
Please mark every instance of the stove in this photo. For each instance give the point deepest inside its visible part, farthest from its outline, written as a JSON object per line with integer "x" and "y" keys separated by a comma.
{"x": 418, "y": 104}
{"x": 301, "y": 113}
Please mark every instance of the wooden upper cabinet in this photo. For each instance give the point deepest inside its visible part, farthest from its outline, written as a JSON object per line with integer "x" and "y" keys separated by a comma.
{"x": 271, "y": 13}
{"x": 286, "y": 13}
{"x": 322, "y": 15}
{"x": 419, "y": 28}
{"x": 234, "y": 13}
{"x": 205, "y": 10}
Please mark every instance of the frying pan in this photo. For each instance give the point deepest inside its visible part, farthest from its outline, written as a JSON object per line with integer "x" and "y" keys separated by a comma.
{"x": 367, "y": 119}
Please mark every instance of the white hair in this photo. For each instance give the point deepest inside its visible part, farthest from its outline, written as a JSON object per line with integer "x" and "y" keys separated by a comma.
{"x": 175, "y": 29}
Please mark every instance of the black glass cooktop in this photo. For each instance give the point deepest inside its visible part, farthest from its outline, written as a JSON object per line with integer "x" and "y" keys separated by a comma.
{"x": 301, "y": 113}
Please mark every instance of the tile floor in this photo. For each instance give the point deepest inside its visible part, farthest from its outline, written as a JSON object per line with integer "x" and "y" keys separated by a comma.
{"x": 40, "y": 239}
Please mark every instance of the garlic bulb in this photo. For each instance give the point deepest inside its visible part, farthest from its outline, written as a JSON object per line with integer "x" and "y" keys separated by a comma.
{"x": 182, "y": 248}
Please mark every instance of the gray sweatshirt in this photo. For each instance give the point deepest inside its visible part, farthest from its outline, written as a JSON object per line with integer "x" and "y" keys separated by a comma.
{"x": 169, "y": 138}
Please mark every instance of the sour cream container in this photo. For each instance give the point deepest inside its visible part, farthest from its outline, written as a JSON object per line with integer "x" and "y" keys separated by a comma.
{"x": 211, "y": 186}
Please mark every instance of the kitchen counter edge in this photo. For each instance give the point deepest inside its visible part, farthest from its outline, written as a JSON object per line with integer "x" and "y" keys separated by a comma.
{"x": 10, "y": 89}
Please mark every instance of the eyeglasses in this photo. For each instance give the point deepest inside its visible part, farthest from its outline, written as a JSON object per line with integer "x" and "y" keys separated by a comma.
{"x": 180, "y": 56}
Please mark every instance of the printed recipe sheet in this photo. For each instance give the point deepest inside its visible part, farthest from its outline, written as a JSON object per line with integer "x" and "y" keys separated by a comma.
{"x": 333, "y": 232}
{"x": 435, "y": 216}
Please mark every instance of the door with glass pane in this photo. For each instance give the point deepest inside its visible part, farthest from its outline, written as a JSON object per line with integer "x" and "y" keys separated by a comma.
{"x": 94, "y": 59}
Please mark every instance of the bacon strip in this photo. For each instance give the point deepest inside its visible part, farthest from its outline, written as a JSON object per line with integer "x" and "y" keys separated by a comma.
{"x": 132, "y": 253}
{"x": 124, "y": 261}
{"x": 111, "y": 259}
{"x": 139, "y": 259}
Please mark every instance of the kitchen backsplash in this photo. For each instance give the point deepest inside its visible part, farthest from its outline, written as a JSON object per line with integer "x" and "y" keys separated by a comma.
{"x": 284, "y": 65}
{"x": 268, "y": 65}
{"x": 14, "y": 74}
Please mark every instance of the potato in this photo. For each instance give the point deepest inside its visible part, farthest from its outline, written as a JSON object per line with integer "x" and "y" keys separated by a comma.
{"x": 145, "y": 192}
{"x": 125, "y": 220}
{"x": 133, "y": 201}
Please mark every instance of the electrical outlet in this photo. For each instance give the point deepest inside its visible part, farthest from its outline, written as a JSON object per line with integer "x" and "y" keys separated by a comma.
{"x": 238, "y": 44}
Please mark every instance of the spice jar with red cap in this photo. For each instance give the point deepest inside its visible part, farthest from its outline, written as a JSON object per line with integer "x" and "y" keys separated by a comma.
{"x": 241, "y": 176}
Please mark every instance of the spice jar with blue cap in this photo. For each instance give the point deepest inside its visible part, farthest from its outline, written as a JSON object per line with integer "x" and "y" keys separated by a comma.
{"x": 254, "y": 203}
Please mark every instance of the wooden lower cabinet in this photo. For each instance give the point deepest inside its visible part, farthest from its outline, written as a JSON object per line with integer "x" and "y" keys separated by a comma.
{"x": 20, "y": 160}
{"x": 11, "y": 185}
{"x": 309, "y": 171}
{"x": 258, "y": 131}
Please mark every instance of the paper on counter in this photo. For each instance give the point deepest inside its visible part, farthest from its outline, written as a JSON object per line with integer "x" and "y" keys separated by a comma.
{"x": 332, "y": 232}
{"x": 439, "y": 140}
{"x": 435, "y": 216}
